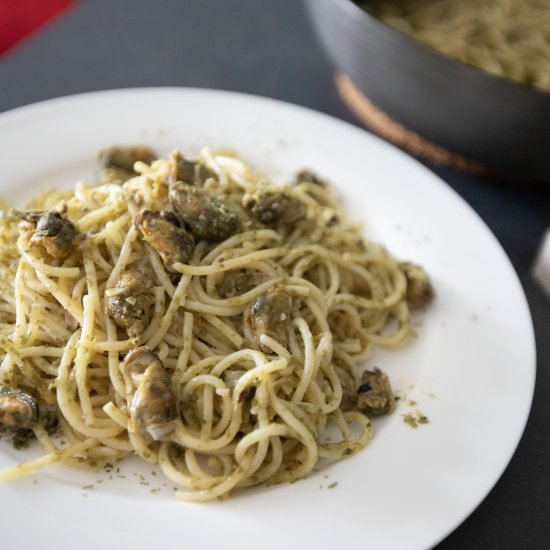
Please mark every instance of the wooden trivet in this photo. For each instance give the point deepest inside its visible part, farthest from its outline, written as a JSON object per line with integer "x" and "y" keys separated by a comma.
{"x": 380, "y": 123}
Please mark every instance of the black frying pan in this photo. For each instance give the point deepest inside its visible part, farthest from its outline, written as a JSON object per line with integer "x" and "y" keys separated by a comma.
{"x": 490, "y": 120}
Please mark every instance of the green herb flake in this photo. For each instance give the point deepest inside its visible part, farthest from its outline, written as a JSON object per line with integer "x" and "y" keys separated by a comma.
{"x": 410, "y": 419}
{"x": 422, "y": 419}
{"x": 87, "y": 487}
{"x": 332, "y": 485}
{"x": 414, "y": 419}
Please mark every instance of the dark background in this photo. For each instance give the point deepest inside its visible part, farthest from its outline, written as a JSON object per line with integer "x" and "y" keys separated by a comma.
{"x": 267, "y": 48}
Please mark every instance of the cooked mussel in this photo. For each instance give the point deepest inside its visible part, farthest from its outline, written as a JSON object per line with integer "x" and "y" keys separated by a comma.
{"x": 188, "y": 171}
{"x": 125, "y": 157}
{"x": 270, "y": 315}
{"x": 271, "y": 207}
{"x": 163, "y": 231}
{"x": 129, "y": 303}
{"x": 152, "y": 401}
{"x": 51, "y": 232}
{"x": 420, "y": 291}
{"x": 210, "y": 217}
{"x": 18, "y": 410}
{"x": 375, "y": 395}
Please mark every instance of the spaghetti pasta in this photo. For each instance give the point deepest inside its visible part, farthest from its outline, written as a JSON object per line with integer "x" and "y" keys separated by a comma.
{"x": 193, "y": 314}
{"x": 509, "y": 38}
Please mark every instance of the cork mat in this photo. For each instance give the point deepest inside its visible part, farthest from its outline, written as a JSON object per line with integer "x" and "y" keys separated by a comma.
{"x": 389, "y": 129}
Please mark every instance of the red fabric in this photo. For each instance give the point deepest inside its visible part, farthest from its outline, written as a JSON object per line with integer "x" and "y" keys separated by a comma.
{"x": 19, "y": 18}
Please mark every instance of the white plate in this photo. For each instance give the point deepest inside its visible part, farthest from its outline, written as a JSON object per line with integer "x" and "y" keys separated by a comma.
{"x": 471, "y": 370}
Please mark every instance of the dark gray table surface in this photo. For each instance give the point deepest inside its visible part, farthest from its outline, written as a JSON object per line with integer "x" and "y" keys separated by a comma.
{"x": 268, "y": 48}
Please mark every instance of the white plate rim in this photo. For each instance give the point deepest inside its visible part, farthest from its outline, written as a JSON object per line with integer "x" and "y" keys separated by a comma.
{"x": 418, "y": 539}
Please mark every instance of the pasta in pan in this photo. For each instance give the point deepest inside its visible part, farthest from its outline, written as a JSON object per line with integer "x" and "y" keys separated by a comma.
{"x": 509, "y": 38}
{"x": 196, "y": 315}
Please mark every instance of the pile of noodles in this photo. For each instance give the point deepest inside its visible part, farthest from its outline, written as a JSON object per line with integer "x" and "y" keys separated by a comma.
{"x": 509, "y": 38}
{"x": 268, "y": 425}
